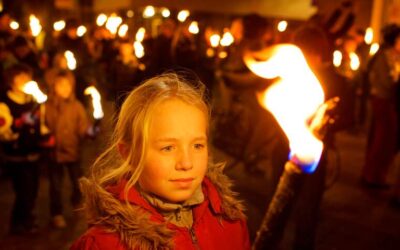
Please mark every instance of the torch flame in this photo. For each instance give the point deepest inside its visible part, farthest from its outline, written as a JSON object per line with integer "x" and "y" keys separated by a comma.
{"x": 369, "y": 35}
{"x": 96, "y": 101}
{"x": 32, "y": 88}
{"x": 354, "y": 61}
{"x": 71, "y": 61}
{"x": 35, "y": 25}
{"x": 293, "y": 99}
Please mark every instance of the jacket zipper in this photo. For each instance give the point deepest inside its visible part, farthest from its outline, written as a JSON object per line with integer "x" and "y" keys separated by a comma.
{"x": 194, "y": 238}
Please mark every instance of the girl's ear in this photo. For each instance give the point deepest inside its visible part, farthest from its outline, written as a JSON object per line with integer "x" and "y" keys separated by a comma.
{"x": 123, "y": 150}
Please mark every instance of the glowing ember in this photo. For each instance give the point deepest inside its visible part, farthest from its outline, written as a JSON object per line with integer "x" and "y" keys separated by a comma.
{"x": 96, "y": 101}
{"x": 71, "y": 61}
{"x": 32, "y": 88}
{"x": 293, "y": 99}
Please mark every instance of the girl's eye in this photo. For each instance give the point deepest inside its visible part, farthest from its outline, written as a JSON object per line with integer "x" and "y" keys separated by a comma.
{"x": 167, "y": 148}
{"x": 199, "y": 146}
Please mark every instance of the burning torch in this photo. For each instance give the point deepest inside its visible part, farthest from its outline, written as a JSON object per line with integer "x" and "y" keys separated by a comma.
{"x": 296, "y": 99}
{"x": 98, "y": 113}
{"x": 32, "y": 88}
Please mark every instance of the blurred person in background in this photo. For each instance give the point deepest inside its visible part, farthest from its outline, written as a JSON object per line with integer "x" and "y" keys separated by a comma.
{"x": 68, "y": 130}
{"x": 384, "y": 72}
{"x": 20, "y": 139}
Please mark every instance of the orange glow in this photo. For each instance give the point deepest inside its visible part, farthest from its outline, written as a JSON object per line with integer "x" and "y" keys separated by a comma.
{"x": 293, "y": 99}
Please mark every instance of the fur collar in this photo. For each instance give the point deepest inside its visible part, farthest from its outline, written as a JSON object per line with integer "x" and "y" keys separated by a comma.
{"x": 140, "y": 226}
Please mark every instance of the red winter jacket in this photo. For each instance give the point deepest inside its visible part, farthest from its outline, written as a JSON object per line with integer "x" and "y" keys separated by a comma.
{"x": 218, "y": 222}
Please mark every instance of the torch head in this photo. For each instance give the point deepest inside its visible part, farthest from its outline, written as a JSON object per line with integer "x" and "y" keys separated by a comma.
{"x": 293, "y": 99}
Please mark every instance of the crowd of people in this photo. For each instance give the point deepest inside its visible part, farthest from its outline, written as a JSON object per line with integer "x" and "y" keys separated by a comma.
{"x": 50, "y": 133}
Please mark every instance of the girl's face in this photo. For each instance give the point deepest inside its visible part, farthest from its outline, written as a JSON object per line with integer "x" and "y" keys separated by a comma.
{"x": 177, "y": 156}
{"x": 63, "y": 87}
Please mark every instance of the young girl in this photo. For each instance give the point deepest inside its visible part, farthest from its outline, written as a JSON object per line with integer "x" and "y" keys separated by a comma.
{"x": 156, "y": 187}
{"x": 67, "y": 120}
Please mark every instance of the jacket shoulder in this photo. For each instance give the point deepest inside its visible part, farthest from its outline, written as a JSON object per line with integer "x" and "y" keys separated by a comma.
{"x": 97, "y": 238}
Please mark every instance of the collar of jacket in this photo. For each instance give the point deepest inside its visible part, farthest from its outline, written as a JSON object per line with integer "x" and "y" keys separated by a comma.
{"x": 134, "y": 197}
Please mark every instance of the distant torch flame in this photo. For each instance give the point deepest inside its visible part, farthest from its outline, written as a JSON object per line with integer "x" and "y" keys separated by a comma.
{"x": 32, "y": 88}
{"x": 293, "y": 99}
{"x": 369, "y": 35}
{"x": 35, "y": 25}
{"x": 96, "y": 101}
{"x": 354, "y": 61}
{"x": 71, "y": 61}
{"x": 373, "y": 49}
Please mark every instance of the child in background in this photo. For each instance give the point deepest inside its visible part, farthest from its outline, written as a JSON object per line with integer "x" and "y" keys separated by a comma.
{"x": 19, "y": 146}
{"x": 67, "y": 120}
{"x": 156, "y": 186}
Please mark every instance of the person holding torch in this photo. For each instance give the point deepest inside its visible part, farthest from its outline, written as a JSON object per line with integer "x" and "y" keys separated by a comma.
{"x": 19, "y": 140}
{"x": 68, "y": 129}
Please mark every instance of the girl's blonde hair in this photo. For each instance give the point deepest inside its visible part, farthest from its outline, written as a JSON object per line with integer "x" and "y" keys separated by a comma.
{"x": 132, "y": 127}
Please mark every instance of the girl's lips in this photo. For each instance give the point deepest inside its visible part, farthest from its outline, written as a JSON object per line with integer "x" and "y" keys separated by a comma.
{"x": 183, "y": 180}
{"x": 183, "y": 183}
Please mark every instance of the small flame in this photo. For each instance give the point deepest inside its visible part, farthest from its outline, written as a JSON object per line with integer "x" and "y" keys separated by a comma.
{"x": 59, "y": 25}
{"x": 165, "y": 12}
{"x": 71, "y": 61}
{"x": 101, "y": 19}
{"x": 14, "y": 25}
{"x": 140, "y": 34}
{"x": 96, "y": 101}
{"x": 183, "y": 15}
{"x": 32, "y": 88}
{"x": 227, "y": 39}
{"x": 139, "y": 49}
{"x": 373, "y": 49}
{"x": 369, "y": 35}
{"x": 282, "y": 26}
{"x": 34, "y": 23}
{"x": 113, "y": 23}
{"x": 337, "y": 58}
{"x": 81, "y": 31}
{"x": 123, "y": 29}
{"x": 293, "y": 99}
{"x": 214, "y": 40}
{"x": 194, "y": 27}
{"x": 149, "y": 11}
{"x": 354, "y": 61}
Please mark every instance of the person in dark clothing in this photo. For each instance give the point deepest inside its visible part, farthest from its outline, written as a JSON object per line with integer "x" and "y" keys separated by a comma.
{"x": 20, "y": 137}
{"x": 24, "y": 53}
{"x": 314, "y": 44}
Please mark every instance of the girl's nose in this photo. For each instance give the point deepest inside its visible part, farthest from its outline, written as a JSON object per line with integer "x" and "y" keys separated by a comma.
{"x": 184, "y": 161}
